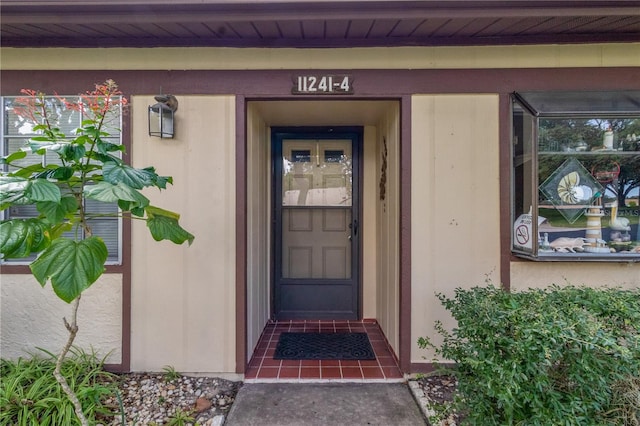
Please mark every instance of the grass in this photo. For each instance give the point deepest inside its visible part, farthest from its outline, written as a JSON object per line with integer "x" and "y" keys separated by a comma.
{"x": 181, "y": 418}
{"x": 170, "y": 373}
{"x": 30, "y": 394}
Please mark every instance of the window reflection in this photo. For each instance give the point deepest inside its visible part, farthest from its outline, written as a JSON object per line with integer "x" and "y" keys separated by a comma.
{"x": 319, "y": 175}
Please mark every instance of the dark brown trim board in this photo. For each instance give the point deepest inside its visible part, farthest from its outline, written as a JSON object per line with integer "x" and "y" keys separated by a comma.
{"x": 277, "y": 84}
{"x": 405, "y": 235}
{"x": 125, "y": 363}
{"x": 241, "y": 234}
{"x": 505, "y": 190}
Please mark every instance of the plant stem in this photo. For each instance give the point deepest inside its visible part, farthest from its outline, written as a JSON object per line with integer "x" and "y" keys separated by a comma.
{"x": 73, "y": 330}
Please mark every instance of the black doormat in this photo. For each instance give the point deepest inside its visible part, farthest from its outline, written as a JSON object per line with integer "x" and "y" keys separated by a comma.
{"x": 296, "y": 346}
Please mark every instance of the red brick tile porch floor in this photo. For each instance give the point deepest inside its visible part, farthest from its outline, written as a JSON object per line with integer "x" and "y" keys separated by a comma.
{"x": 263, "y": 368}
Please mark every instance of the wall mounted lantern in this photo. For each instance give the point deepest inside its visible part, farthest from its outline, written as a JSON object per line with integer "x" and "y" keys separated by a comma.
{"x": 161, "y": 116}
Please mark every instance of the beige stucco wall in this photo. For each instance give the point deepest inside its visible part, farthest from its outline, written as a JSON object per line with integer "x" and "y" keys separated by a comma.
{"x": 547, "y": 56}
{"x": 258, "y": 226}
{"x": 368, "y": 225}
{"x": 455, "y": 203}
{"x": 388, "y": 227}
{"x": 31, "y": 317}
{"x": 183, "y": 297}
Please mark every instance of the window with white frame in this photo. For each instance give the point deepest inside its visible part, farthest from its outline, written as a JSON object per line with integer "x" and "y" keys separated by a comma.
{"x": 576, "y": 175}
{"x": 16, "y": 132}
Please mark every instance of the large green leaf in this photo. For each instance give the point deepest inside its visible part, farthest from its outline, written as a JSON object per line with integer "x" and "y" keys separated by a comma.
{"x": 104, "y": 147}
{"x": 72, "y": 152}
{"x": 110, "y": 193}
{"x": 21, "y": 237}
{"x": 12, "y": 189}
{"x": 55, "y": 172}
{"x": 59, "y": 229}
{"x": 161, "y": 181}
{"x": 163, "y": 225}
{"x": 41, "y": 145}
{"x": 29, "y": 171}
{"x": 55, "y": 212}
{"x": 92, "y": 131}
{"x": 135, "y": 178}
{"x": 138, "y": 211}
{"x": 43, "y": 190}
{"x": 18, "y": 155}
{"x": 157, "y": 211}
{"x": 72, "y": 266}
{"x": 103, "y": 158}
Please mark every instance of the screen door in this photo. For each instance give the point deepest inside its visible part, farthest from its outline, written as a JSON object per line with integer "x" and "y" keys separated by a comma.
{"x": 316, "y": 215}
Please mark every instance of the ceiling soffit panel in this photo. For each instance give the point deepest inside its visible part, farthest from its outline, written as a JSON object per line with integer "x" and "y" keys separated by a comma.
{"x": 304, "y": 23}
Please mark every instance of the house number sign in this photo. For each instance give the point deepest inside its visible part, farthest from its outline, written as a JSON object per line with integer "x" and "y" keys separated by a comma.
{"x": 318, "y": 84}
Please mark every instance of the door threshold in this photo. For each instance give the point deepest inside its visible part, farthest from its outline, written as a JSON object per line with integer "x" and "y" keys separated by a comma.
{"x": 264, "y": 369}
{"x": 320, "y": 381}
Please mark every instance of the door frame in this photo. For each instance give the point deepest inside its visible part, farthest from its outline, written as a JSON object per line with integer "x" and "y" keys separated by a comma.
{"x": 356, "y": 133}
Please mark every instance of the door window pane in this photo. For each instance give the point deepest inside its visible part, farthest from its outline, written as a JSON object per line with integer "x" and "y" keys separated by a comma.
{"x": 317, "y": 173}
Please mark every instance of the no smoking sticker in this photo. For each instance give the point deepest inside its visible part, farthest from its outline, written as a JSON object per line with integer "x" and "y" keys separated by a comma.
{"x": 522, "y": 234}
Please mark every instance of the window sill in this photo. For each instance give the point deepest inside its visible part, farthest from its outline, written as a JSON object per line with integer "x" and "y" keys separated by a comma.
{"x": 578, "y": 257}
{"x": 8, "y": 269}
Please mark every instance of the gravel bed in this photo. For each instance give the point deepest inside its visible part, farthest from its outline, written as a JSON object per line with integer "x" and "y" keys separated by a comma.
{"x": 154, "y": 399}
{"x": 435, "y": 395}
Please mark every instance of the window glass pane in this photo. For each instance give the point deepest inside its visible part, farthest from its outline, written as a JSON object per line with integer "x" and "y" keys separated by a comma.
{"x": 599, "y": 149}
{"x": 15, "y": 145}
{"x": 25, "y": 211}
{"x": 594, "y": 135}
{"x": 14, "y": 124}
{"x": 98, "y": 207}
{"x": 587, "y": 170}
{"x": 107, "y": 229}
{"x": 333, "y": 156}
{"x": 300, "y": 156}
{"x": 317, "y": 173}
{"x": 113, "y": 126}
{"x": 52, "y": 157}
{"x": 66, "y": 120}
{"x": 578, "y": 103}
{"x": 523, "y": 142}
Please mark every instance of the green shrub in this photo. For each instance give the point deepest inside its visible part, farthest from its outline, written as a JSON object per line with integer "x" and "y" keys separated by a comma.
{"x": 560, "y": 356}
{"x": 30, "y": 394}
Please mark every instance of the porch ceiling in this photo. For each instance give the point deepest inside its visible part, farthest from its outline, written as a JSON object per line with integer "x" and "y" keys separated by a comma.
{"x": 322, "y": 113}
{"x": 312, "y": 23}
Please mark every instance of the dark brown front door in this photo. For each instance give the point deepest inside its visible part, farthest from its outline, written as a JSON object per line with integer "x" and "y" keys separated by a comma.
{"x": 316, "y": 223}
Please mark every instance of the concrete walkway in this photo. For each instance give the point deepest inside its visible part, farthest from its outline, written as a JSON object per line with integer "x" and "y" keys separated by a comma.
{"x": 325, "y": 404}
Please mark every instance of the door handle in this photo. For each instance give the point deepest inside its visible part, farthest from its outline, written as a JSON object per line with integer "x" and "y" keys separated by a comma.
{"x": 354, "y": 229}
